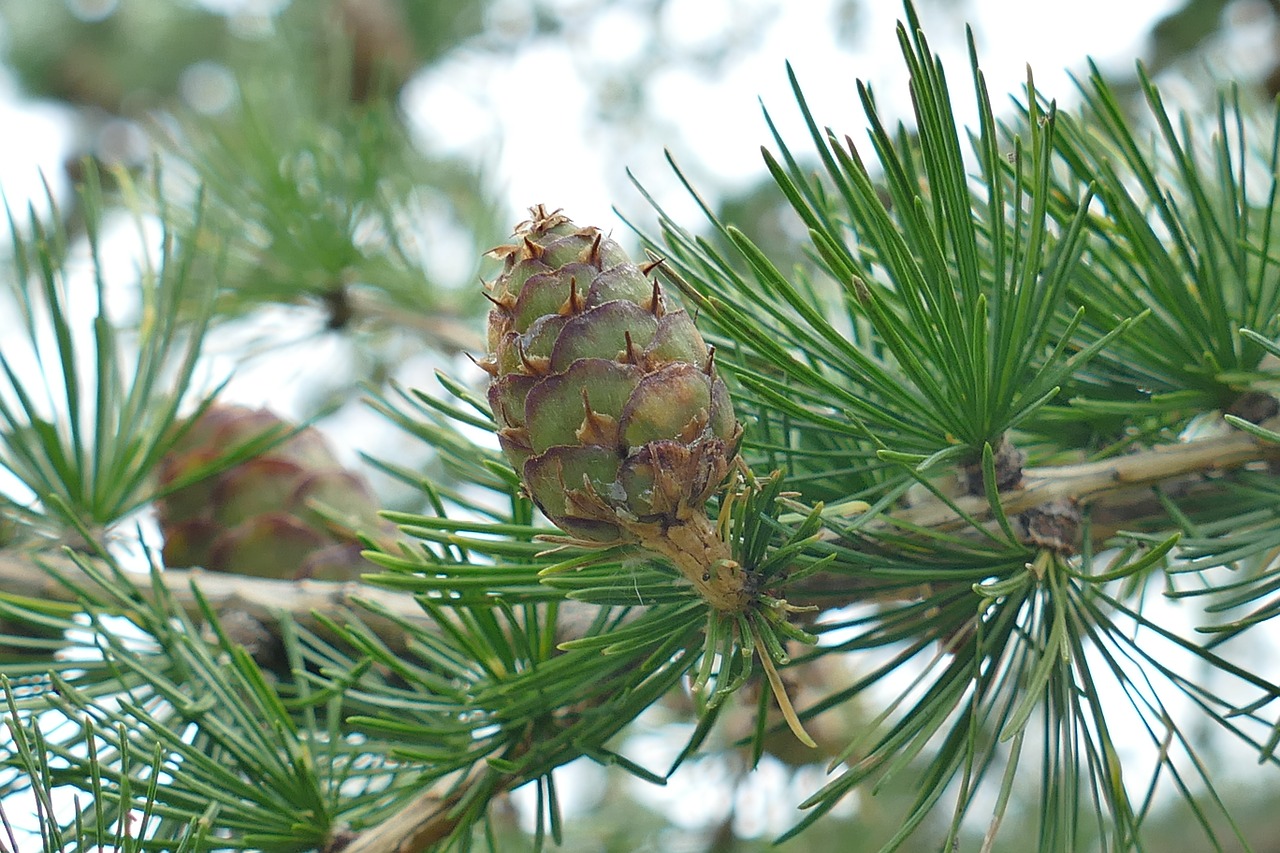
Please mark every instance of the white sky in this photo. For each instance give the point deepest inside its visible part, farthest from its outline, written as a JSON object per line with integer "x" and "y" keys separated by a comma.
{"x": 556, "y": 157}
{"x": 536, "y": 153}
{"x": 527, "y": 118}
{"x": 483, "y": 106}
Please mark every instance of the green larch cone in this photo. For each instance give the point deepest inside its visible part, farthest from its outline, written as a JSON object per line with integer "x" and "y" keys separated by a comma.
{"x": 258, "y": 517}
{"x": 607, "y": 401}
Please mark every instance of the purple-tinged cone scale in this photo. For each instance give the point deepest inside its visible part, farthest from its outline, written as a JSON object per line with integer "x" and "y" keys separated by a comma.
{"x": 259, "y": 517}
{"x": 607, "y": 401}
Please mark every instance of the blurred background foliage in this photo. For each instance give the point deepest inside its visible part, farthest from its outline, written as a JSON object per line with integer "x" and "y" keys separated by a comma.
{"x": 349, "y": 234}
{"x": 310, "y": 95}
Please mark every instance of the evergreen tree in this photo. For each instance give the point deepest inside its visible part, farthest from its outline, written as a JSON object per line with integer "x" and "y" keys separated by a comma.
{"x": 971, "y": 504}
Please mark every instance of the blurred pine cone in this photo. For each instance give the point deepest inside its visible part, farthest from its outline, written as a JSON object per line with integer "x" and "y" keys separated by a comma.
{"x": 260, "y": 517}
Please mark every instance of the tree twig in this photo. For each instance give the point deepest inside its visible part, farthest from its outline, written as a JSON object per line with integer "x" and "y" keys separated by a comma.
{"x": 1108, "y": 484}
{"x": 263, "y": 599}
{"x": 425, "y": 820}
{"x": 445, "y": 332}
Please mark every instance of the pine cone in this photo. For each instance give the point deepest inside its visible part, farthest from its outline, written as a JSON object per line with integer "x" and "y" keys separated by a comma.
{"x": 607, "y": 401}
{"x": 257, "y": 517}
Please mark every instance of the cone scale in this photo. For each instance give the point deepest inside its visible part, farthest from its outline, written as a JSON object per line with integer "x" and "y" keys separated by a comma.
{"x": 608, "y": 404}
{"x": 257, "y": 517}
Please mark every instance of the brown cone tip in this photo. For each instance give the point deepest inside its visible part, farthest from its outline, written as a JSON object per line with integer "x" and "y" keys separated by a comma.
{"x": 540, "y": 219}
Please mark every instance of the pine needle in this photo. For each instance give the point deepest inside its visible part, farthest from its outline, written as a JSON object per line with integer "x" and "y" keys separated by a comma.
{"x": 780, "y": 690}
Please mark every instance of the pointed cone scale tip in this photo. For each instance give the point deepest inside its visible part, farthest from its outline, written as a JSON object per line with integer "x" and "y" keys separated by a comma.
{"x": 601, "y": 332}
{"x": 632, "y": 356}
{"x": 488, "y": 364}
{"x": 593, "y": 256}
{"x": 531, "y": 250}
{"x": 655, "y": 305}
{"x": 540, "y": 294}
{"x": 554, "y": 408}
{"x": 575, "y": 303}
